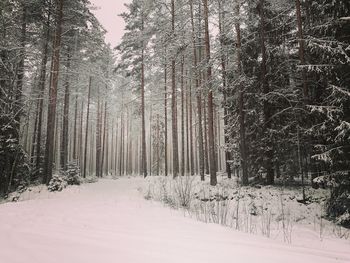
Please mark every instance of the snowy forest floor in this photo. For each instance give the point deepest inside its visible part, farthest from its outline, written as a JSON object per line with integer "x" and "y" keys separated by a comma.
{"x": 111, "y": 221}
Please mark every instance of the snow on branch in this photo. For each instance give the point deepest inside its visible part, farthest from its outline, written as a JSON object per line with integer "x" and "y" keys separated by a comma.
{"x": 340, "y": 90}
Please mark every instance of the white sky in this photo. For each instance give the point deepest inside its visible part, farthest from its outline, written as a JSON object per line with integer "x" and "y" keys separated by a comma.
{"x": 107, "y": 14}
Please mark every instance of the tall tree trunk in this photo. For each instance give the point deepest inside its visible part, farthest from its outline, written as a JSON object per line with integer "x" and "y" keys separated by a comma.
{"x": 116, "y": 149}
{"x": 81, "y": 135}
{"x": 53, "y": 94}
{"x": 87, "y": 127}
{"x": 165, "y": 120}
{"x": 182, "y": 118}
{"x": 191, "y": 129}
{"x": 65, "y": 127}
{"x": 143, "y": 146}
{"x": 241, "y": 113}
{"x": 212, "y": 156}
{"x": 306, "y": 143}
{"x": 173, "y": 101}
{"x": 266, "y": 89}
{"x": 121, "y": 145}
{"x": 158, "y": 145}
{"x": 218, "y": 136}
{"x": 127, "y": 140}
{"x": 75, "y": 129}
{"x": 150, "y": 141}
{"x": 198, "y": 98}
{"x": 56, "y": 150}
{"x": 228, "y": 157}
{"x": 130, "y": 162}
{"x": 205, "y": 135}
{"x": 104, "y": 142}
{"x": 187, "y": 127}
{"x": 98, "y": 135}
{"x": 35, "y": 132}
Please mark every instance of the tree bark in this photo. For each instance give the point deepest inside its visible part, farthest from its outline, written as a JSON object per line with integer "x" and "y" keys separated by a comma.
{"x": 241, "y": 113}
{"x": 228, "y": 157}
{"x": 75, "y": 129}
{"x": 81, "y": 135}
{"x": 173, "y": 101}
{"x": 187, "y": 127}
{"x": 266, "y": 89}
{"x": 198, "y": 98}
{"x": 143, "y": 146}
{"x": 191, "y": 129}
{"x": 104, "y": 143}
{"x": 212, "y": 156}
{"x": 98, "y": 136}
{"x": 65, "y": 127}
{"x": 158, "y": 145}
{"x": 87, "y": 127}
{"x": 165, "y": 121}
{"x": 182, "y": 119}
{"x": 53, "y": 94}
{"x": 150, "y": 140}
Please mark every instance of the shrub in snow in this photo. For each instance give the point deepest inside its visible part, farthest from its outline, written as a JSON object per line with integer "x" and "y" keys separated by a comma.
{"x": 183, "y": 190}
{"x": 72, "y": 174}
{"x": 338, "y": 205}
{"x": 166, "y": 194}
{"x": 57, "y": 183}
{"x": 344, "y": 219}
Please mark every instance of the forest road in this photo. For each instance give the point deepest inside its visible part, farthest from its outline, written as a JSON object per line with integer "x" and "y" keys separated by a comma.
{"x": 110, "y": 221}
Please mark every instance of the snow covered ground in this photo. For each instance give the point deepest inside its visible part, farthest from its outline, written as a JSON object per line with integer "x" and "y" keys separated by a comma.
{"x": 110, "y": 221}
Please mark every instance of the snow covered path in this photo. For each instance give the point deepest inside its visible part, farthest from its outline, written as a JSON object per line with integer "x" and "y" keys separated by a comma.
{"x": 111, "y": 222}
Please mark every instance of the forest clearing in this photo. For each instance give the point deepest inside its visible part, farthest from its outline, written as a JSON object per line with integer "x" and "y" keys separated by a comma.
{"x": 111, "y": 221}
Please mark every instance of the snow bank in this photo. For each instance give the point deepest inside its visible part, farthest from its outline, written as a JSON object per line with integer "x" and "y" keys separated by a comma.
{"x": 110, "y": 221}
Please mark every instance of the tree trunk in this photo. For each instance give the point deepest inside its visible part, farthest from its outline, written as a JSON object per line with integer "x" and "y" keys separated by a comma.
{"x": 187, "y": 128}
{"x": 228, "y": 157}
{"x": 306, "y": 143}
{"x": 53, "y": 94}
{"x": 143, "y": 146}
{"x": 121, "y": 145}
{"x": 104, "y": 142}
{"x": 173, "y": 101}
{"x": 116, "y": 149}
{"x": 65, "y": 127}
{"x": 191, "y": 129}
{"x": 98, "y": 136}
{"x": 150, "y": 141}
{"x": 165, "y": 121}
{"x": 158, "y": 145}
{"x": 212, "y": 156}
{"x": 87, "y": 127}
{"x": 81, "y": 135}
{"x": 75, "y": 129}
{"x": 198, "y": 98}
{"x": 241, "y": 112}
{"x": 182, "y": 119}
{"x": 267, "y": 107}
{"x": 205, "y": 135}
